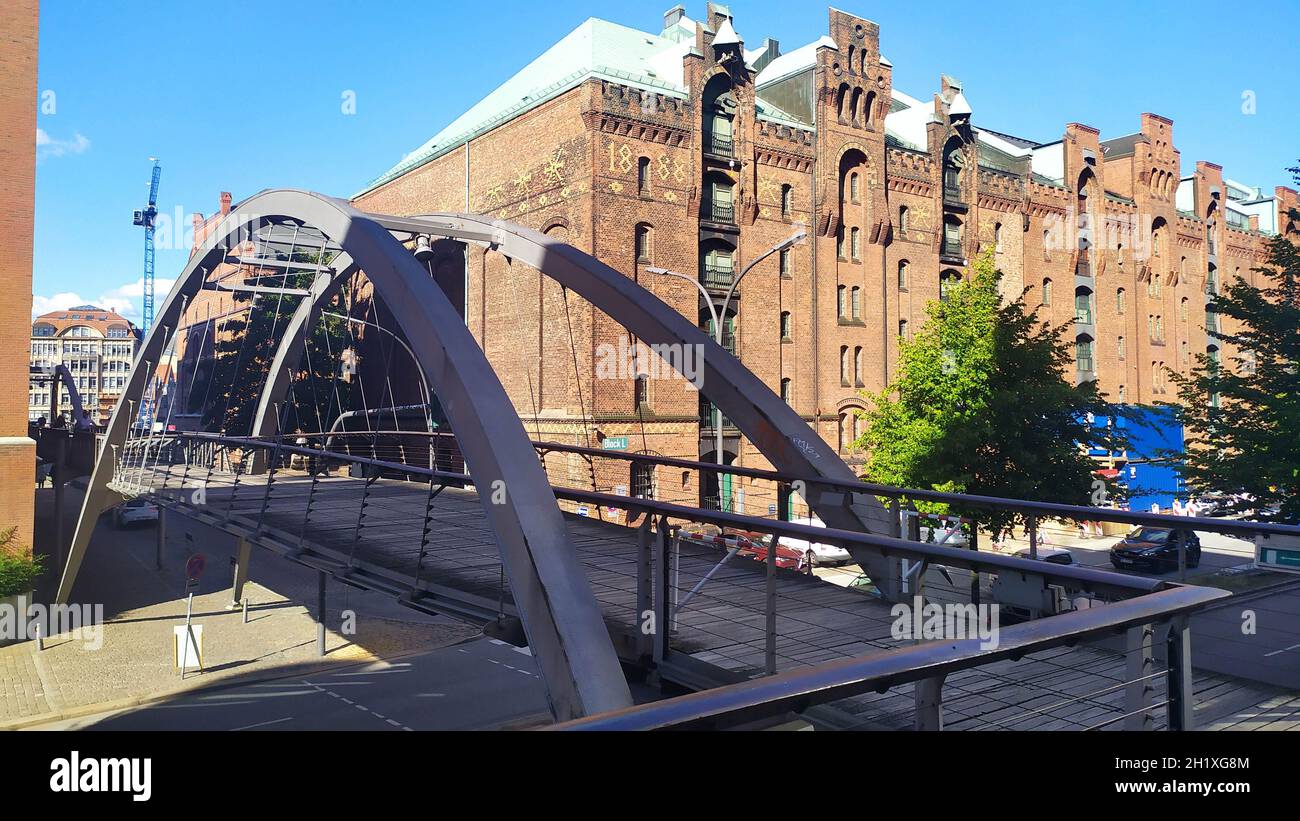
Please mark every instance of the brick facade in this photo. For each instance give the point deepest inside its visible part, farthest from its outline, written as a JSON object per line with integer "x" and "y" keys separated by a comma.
{"x": 18, "y": 100}
{"x": 597, "y": 162}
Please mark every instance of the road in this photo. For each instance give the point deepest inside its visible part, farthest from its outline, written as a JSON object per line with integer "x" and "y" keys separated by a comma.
{"x": 484, "y": 684}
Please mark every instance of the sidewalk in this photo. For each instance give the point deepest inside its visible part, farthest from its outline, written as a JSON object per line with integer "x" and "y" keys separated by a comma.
{"x": 142, "y": 606}
{"x": 136, "y": 662}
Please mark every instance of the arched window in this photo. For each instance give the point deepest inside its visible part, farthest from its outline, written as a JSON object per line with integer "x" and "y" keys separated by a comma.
{"x": 1083, "y": 305}
{"x": 1182, "y": 310}
{"x": 787, "y": 201}
{"x": 953, "y": 160}
{"x": 857, "y": 116}
{"x": 839, "y": 242}
{"x": 841, "y": 296}
{"x": 785, "y": 326}
{"x": 719, "y": 206}
{"x": 1121, "y": 349}
{"x": 784, "y": 260}
{"x": 719, "y": 111}
{"x": 844, "y": 366}
{"x": 951, "y": 236}
{"x": 853, "y": 187}
{"x": 640, "y": 390}
{"x": 902, "y": 274}
{"x": 902, "y": 219}
{"x": 855, "y": 248}
{"x": 1047, "y": 292}
{"x": 643, "y": 176}
{"x": 785, "y": 390}
{"x": 857, "y": 367}
{"x": 902, "y": 328}
{"x": 1121, "y": 300}
{"x": 842, "y": 433}
{"x": 997, "y": 237}
{"x": 841, "y": 102}
{"x": 1083, "y": 358}
{"x": 869, "y": 107}
{"x": 1047, "y": 244}
{"x": 947, "y": 279}
{"x": 643, "y": 249}
{"x": 717, "y": 267}
{"x": 855, "y": 302}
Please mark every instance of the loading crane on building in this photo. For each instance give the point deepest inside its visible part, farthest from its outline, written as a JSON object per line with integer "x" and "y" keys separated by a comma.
{"x": 146, "y": 218}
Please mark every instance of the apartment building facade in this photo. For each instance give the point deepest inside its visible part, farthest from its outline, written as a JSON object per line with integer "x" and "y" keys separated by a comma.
{"x": 96, "y": 345}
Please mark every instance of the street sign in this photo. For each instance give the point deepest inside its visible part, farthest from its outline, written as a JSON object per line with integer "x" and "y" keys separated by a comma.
{"x": 195, "y": 566}
{"x": 1278, "y": 553}
{"x": 614, "y": 443}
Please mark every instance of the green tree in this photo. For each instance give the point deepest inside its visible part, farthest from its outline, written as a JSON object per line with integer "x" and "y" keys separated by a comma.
{"x": 1241, "y": 424}
{"x": 985, "y": 403}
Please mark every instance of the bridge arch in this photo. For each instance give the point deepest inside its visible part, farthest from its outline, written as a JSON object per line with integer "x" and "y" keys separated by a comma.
{"x": 560, "y": 614}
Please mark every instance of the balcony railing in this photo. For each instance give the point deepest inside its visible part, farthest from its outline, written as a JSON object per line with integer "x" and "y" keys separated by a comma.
{"x": 952, "y": 193}
{"x": 720, "y": 145}
{"x": 724, "y": 212}
{"x": 714, "y": 277}
{"x": 1083, "y": 314}
{"x": 708, "y": 416}
{"x": 951, "y": 248}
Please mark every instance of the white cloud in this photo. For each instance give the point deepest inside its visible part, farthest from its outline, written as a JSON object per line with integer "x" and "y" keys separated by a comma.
{"x": 127, "y": 300}
{"x": 47, "y": 146}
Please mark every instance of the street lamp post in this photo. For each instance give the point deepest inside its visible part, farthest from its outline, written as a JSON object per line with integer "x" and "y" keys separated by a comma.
{"x": 718, "y": 317}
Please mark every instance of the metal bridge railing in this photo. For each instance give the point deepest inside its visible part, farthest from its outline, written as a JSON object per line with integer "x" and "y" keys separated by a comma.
{"x": 725, "y": 590}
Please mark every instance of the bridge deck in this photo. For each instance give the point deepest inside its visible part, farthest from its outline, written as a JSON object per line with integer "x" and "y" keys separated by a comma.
{"x": 722, "y": 626}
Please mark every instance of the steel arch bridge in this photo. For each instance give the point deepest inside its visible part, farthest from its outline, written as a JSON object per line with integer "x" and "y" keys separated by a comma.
{"x": 392, "y": 510}
{"x": 557, "y": 607}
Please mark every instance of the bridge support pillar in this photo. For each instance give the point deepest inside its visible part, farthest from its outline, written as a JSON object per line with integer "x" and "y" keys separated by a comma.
{"x": 1137, "y": 695}
{"x": 243, "y": 554}
{"x": 929, "y": 703}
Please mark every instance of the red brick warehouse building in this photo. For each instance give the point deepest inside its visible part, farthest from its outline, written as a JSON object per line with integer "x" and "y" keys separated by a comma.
{"x": 688, "y": 151}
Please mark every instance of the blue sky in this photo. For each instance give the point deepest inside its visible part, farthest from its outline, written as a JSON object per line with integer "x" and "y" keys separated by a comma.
{"x": 241, "y": 96}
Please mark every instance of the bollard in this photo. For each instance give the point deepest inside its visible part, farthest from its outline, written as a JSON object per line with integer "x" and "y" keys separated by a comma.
{"x": 245, "y": 610}
{"x": 320, "y": 612}
{"x": 40, "y": 639}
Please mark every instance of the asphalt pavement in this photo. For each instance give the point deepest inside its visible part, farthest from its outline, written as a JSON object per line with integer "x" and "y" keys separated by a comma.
{"x": 483, "y": 684}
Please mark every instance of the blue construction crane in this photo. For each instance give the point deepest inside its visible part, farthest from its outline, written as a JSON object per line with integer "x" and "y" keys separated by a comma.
{"x": 146, "y": 218}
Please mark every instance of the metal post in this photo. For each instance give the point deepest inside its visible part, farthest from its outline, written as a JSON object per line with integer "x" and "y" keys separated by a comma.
{"x": 245, "y": 604}
{"x": 243, "y": 553}
{"x": 1180, "y": 537}
{"x": 1179, "y": 687}
{"x": 663, "y": 579}
{"x": 60, "y": 454}
{"x": 1137, "y": 698}
{"x": 162, "y": 538}
{"x": 1033, "y": 536}
{"x": 974, "y": 574}
{"x": 645, "y": 599}
{"x": 769, "y": 605}
{"x": 928, "y": 693}
{"x": 320, "y": 612}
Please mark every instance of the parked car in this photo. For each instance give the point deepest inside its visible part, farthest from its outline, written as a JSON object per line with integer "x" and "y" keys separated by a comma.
{"x": 1055, "y": 555}
{"x": 1154, "y": 548}
{"x": 821, "y": 554}
{"x": 135, "y": 512}
{"x": 956, "y": 537}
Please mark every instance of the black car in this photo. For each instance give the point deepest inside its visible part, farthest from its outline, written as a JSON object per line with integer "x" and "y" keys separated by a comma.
{"x": 1154, "y": 548}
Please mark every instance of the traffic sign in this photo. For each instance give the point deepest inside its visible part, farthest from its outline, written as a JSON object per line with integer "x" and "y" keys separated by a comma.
{"x": 614, "y": 443}
{"x": 195, "y": 566}
{"x": 1278, "y": 553}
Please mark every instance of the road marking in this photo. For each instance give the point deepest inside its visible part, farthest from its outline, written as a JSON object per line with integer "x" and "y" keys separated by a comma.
{"x": 361, "y": 707}
{"x": 261, "y": 724}
{"x": 1283, "y": 650}
{"x": 527, "y": 651}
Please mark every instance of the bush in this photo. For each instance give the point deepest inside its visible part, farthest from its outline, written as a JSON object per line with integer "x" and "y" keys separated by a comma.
{"x": 18, "y": 571}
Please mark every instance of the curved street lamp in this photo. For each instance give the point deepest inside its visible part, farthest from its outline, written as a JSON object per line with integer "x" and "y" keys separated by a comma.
{"x": 717, "y": 317}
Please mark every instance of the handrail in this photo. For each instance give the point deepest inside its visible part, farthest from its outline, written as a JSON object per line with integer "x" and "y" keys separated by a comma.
{"x": 1053, "y": 509}
{"x": 804, "y": 687}
{"x": 1099, "y": 581}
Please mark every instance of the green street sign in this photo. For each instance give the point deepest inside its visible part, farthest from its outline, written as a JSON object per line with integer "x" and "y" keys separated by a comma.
{"x": 614, "y": 443}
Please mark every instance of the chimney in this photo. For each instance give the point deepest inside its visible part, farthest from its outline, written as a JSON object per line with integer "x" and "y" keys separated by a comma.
{"x": 225, "y": 203}
{"x": 673, "y": 15}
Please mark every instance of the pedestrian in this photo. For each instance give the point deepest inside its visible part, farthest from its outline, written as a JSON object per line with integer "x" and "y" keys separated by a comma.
{"x": 1178, "y": 507}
